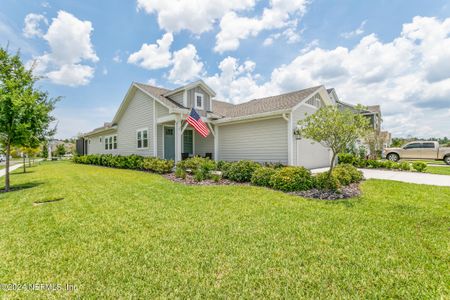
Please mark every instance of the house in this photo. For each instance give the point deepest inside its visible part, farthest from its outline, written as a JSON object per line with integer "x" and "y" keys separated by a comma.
{"x": 151, "y": 122}
{"x": 379, "y": 140}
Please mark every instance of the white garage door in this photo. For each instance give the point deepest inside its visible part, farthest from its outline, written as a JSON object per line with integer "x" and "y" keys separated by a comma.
{"x": 312, "y": 155}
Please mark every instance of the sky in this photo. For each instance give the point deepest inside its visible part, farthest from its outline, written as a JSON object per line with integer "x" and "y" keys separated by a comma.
{"x": 392, "y": 53}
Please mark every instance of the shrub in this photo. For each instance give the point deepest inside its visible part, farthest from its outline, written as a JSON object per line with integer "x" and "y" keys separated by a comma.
{"x": 323, "y": 181}
{"x": 242, "y": 171}
{"x": 224, "y": 166}
{"x": 262, "y": 175}
{"x": 395, "y": 166}
{"x": 216, "y": 177}
{"x": 289, "y": 179}
{"x": 199, "y": 175}
{"x": 405, "y": 166}
{"x": 197, "y": 165}
{"x": 158, "y": 165}
{"x": 419, "y": 166}
{"x": 347, "y": 174}
{"x": 108, "y": 160}
{"x": 180, "y": 173}
{"x": 347, "y": 158}
{"x": 194, "y": 163}
{"x": 273, "y": 165}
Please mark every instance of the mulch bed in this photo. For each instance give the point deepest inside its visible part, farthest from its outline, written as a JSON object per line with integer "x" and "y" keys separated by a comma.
{"x": 349, "y": 191}
{"x": 189, "y": 180}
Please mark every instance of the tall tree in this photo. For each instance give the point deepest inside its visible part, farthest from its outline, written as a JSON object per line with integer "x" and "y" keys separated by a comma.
{"x": 333, "y": 128}
{"x": 25, "y": 111}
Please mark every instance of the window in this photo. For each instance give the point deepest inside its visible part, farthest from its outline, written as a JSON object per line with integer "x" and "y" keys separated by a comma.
{"x": 142, "y": 138}
{"x": 198, "y": 100}
{"x": 413, "y": 146}
{"x": 428, "y": 145}
{"x": 315, "y": 101}
{"x": 110, "y": 142}
{"x": 188, "y": 142}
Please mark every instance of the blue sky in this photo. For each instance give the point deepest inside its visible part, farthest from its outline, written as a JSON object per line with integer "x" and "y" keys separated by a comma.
{"x": 392, "y": 53}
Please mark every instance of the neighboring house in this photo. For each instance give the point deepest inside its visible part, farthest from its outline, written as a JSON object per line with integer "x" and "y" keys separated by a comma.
{"x": 380, "y": 139}
{"x": 151, "y": 122}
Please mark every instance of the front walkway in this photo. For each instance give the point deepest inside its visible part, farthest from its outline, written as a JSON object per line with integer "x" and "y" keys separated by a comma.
{"x": 11, "y": 168}
{"x": 411, "y": 177}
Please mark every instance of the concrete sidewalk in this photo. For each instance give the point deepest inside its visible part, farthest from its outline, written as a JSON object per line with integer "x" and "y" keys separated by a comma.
{"x": 11, "y": 168}
{"x": 410, "y": 177}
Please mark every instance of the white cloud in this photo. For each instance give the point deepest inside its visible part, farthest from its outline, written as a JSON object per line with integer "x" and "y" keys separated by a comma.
{"x": 186, "y": 65}
{"x": 358, "y": 31}
{"x": 32, "y": 25}
{"x": 154, "y": 56}
{"x": 408, "y": 76}
{"x": 196, "y": 16}
{"x": 281, "y": 14}
{"x": 72, "y": 75}
{"x": 69, "y": 40}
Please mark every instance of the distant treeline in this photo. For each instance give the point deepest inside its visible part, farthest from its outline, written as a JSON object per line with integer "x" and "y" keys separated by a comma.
{"x": 397, "y": 142}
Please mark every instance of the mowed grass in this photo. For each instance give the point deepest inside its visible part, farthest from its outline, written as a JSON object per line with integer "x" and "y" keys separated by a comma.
{"x": 433, "y": 162}
{"x": 438, "y": 170}
{"x": 127, "y": 234}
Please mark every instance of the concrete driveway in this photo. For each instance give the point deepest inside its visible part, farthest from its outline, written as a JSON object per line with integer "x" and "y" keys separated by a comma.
{"x": 411, "y": 177}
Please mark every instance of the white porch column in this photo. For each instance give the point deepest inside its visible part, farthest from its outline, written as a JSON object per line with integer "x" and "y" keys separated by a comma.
{"x": 177, "y": 138}
{"x": 216, "y": 143}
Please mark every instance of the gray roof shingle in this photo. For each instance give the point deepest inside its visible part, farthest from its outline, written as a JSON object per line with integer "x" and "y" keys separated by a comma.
{"x": 255, "y": 106}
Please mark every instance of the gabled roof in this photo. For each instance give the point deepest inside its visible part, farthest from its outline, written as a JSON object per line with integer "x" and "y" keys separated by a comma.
{"x": 190, "y": 86}
{"x": 263, "y": 105}
{"x": 159, "y": 93}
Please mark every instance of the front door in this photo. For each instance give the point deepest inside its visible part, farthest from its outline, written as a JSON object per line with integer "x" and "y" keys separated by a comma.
{"x": 169, "y": 143}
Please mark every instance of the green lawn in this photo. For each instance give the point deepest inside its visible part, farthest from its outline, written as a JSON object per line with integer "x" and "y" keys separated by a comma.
{"x": 433, "y": 162}
{"x": 438, "y": 170}
{"x": 127, "y": 234}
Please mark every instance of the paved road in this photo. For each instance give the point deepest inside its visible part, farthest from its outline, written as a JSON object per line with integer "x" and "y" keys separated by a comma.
{"x": 411, "y": 177}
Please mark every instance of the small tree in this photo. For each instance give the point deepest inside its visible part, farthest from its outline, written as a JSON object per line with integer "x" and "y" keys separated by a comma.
{"x": 24, "y": 110}
{"x": 333, "y": 128}
{"x": 60, "y": 150}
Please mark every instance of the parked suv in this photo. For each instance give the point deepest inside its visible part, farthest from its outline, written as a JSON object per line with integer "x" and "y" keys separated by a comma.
{"x": 419, "y": 150}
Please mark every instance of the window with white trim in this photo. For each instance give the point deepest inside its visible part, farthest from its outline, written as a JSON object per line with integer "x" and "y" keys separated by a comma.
{"x": 142, "y": 138}
{"x": 110, "y": 142}
{"x": 199, "y": 100}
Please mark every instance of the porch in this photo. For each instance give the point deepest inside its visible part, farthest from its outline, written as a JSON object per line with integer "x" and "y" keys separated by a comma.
{"x": 182, "y": 141}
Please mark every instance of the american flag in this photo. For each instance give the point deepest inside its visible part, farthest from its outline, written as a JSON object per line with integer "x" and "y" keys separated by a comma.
{"x": 195, "y": 121}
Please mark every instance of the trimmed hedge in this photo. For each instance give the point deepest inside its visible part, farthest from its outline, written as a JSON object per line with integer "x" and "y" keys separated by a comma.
{"x": 262, "y": 176}
{"x": 158, "y": 165}
{"x": 419, "y": 166}
{"x": 348, "y": 158}
{"x": 241, "y": 171}
{"x": 290, "y": 179}
{"x": 323, "y": 181}
{"x": 347, "y": 174}
{"x": 133, "y": 162}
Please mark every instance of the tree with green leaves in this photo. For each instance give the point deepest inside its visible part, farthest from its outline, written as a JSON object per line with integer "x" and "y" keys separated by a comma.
{"x": 25, "y": 111}
{"x": 60, "y": 150}
{"x": 333, "y": 128}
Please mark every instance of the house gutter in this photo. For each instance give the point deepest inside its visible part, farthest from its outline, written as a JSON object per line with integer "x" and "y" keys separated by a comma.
{"x": 249, "y": 117}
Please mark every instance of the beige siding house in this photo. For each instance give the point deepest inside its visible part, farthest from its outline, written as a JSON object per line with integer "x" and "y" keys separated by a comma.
{"x": 151, "y": 122}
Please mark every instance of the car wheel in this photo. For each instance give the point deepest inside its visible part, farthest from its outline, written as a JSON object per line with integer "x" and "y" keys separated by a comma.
{"x": 393, "y": 157}
{"x": 447, "y": 160}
